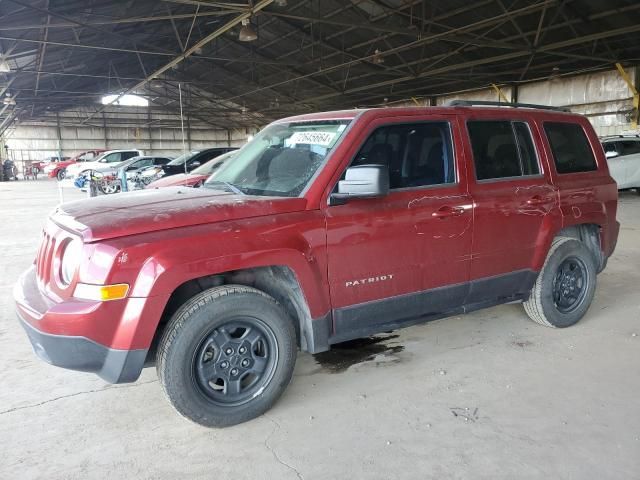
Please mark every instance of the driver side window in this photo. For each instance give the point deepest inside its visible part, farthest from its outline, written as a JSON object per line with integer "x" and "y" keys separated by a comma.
{"x": 419, "y": 154}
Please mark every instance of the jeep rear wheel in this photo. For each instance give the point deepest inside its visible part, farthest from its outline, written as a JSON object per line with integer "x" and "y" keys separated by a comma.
{"x": 565, "y": 286}
{"x": 226, "y": 355}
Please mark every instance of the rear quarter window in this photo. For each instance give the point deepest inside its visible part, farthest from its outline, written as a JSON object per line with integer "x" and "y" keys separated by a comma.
{"x": 571, "y": 150}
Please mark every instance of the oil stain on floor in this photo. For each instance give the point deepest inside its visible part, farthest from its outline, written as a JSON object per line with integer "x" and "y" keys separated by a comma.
{"x": 346, "y": 354}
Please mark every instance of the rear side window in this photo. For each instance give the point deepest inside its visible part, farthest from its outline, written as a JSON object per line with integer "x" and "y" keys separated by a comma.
{"x": 113, "y": 157}
{"x": 571, "y": 150}
{"x": 629, "y": 147}
{"x": 502, "y": 149}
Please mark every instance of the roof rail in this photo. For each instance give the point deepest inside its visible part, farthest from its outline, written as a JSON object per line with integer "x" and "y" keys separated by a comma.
{"x": 471, "y": 103}
{"x": 624, "y": 135}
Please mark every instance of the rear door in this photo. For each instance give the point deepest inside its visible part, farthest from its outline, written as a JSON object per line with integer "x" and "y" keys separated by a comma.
{"x": 513, "y": 199}
{"x": 396, "y": 258}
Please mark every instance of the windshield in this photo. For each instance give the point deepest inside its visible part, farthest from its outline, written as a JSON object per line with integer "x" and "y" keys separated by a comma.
{"x": 281, "y": 159}
{"x": 212, "y": 165}
{"x": 182, "y": 158}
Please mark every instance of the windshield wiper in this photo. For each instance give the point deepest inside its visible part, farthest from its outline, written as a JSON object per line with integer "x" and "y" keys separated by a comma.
{"x": 229, "y": 186}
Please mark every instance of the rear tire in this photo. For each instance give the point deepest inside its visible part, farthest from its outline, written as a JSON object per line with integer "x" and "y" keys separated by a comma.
{"x": 565, "y": 286}
{"x": 226, "y": 355}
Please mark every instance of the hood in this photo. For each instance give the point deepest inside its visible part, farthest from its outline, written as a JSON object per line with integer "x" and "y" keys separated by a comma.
{"x": 142, "y": 211}
{"x": 187, "y": 179}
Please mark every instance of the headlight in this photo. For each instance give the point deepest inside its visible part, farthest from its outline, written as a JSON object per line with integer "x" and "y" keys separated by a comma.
{"x": 70, "y": 260}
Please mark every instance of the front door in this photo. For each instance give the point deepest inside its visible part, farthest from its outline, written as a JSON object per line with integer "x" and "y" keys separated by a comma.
{"x": 392, "y": 260}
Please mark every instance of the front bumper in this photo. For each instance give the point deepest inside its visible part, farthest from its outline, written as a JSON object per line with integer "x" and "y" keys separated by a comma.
{"x": 80, "y": 353}
{"x": 109, "y": 338}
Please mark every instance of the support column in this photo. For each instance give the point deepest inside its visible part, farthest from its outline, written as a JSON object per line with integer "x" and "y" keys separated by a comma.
{"x": 104, "y": 128}
{"x": 150, "y": 152}
{"x": 228, "y": 138}
{"x": 188, "y": 133}
{"x": 59, "y": 135}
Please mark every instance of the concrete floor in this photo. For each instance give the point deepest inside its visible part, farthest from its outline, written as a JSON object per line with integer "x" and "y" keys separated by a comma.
{"x": 485, "y": 395}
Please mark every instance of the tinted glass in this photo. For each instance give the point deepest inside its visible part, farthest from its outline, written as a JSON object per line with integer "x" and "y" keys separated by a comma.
{"x": 571, "y": 150}
{"x": 182, "y": 158}
{"x": 528, "y": 158}
{"x": 629, "y": 147}
{"x": 212, "y": 165}
{"x": 417, "y": 155}
{"x": 495, "y": 152}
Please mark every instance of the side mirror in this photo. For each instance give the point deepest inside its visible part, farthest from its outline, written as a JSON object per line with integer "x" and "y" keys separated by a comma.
{"x": 611, "y": 154}
{"x": 363, "y": 181}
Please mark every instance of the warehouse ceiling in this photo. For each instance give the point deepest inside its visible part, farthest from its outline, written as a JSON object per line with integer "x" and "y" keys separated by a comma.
{"x": 64, "y": 55}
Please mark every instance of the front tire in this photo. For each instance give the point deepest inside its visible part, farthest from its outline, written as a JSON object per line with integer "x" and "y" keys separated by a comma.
{"x": 565, "y": 286}
{"x": 226, "y": 355}
{"x": 61, "y": 174}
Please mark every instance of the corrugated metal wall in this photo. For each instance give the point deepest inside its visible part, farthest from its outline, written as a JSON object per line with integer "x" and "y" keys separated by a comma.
{"x": 36, "y": 142}
{"x": 604, "y": 97}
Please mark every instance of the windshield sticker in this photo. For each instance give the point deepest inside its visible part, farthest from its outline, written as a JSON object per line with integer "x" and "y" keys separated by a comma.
{"x": 313, "y": 138}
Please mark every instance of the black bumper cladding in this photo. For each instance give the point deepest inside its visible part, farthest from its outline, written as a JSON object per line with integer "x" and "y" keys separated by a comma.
{"x": 80, "y": 353}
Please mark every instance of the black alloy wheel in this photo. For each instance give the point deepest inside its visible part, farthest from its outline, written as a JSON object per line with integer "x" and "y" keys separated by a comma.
{"x": 235, "y": 361}
{"x": 569, "y": 285}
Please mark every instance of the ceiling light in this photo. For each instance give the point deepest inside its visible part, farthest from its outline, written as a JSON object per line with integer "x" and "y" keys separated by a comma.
{"x": 9, "y": 100}
{"x": 377, "y": 57}
{"x": 4, "y": 66}
{"x": 281, "y": 3}
{"x": 247, "y": 32}
{"x": 125, "y": 100}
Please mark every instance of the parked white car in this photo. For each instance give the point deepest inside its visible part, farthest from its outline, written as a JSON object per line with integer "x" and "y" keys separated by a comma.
{"x": 623, "y": 157}
{"x": 110, "y": 158}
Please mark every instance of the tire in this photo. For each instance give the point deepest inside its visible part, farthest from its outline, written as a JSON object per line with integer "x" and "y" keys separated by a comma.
{"x": 547, "y": 304}
{"x": 197, "y": 343}
{"x": 61, "y": 174}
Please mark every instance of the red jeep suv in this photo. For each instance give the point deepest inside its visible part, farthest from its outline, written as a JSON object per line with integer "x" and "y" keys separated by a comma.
{"x": 324, "y": 228}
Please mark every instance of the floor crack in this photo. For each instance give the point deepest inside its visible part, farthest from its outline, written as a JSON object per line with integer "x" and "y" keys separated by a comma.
{"x": 276, "y": 427}
{"x": 97, "y": 390}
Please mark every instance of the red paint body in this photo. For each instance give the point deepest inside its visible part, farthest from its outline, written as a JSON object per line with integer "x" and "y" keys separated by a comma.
{"x": 155, "y": 240}
{"x": 64, "y": 164}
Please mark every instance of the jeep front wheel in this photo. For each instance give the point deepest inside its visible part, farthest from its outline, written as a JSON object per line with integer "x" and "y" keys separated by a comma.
{"x": 227, "y": 355}
{"x": 565, "y": 286}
